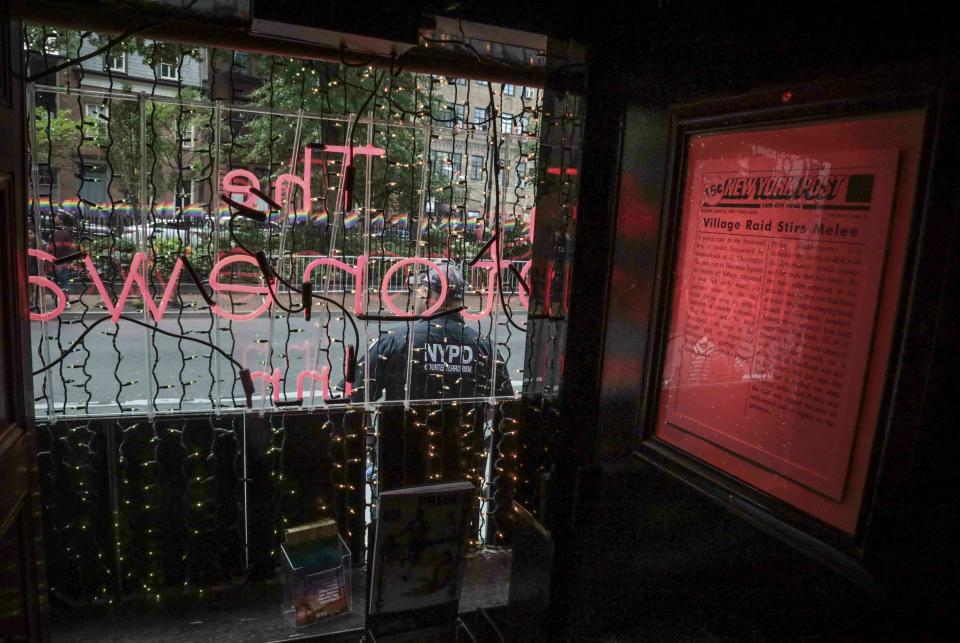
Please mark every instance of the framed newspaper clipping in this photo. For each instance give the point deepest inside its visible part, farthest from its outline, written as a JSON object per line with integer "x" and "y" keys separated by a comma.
{"x": 782, "y": 281}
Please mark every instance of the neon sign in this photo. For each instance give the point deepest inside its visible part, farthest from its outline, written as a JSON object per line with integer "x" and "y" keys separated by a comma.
{"x": 157, "y": 310}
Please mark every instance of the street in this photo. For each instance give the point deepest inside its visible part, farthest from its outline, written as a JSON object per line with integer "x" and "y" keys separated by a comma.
{"x": 109, "y": 373}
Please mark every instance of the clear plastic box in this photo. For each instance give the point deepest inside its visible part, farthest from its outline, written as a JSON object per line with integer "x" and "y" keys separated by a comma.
{"x": 316, "y": 581}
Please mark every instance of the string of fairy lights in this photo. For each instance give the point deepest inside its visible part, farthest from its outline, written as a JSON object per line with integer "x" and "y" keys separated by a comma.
{"x": 170, "y": 491}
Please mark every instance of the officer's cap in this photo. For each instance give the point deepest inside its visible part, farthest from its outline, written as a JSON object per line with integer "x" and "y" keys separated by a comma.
{"x": 431, "y": 278}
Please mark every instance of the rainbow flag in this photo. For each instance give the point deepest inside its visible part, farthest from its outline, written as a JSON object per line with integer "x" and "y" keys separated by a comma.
{"x": 164, "y": 209}
{"x": 41, "y": 205}
{"x": 319, "y": 218}
{"x": 71, "y": 206}
{"x": 351, "y": 220}
{"x": 509, "y": 224}
{"x": 193, "y": 211}
{"x": 300, "y": 216}
{"x": 275, "y": 217}
{"x": 377, "y": 220}
{"x": 123, "y": 209}
{"x": 399, "y": 220}
{"x": 471, "y": 221}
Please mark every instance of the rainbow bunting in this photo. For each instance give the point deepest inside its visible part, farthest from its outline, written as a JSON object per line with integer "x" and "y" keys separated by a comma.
{"x": 41, "y": 205}
{"x": 164, "y": 209}
{"x": 377, "y": 220}
{"x": 193, "y": 211}
{"x": 351, "y": 220}
{"x": 319, "y": 218}
{"x": 471, "y": 221}
{"x": 300, "y": 216}
{"x": 71, "y": 206}
{"x": 275, "y": 217}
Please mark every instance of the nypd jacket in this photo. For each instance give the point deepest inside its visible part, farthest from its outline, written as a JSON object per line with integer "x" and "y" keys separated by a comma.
{"x": 450, "y": 360}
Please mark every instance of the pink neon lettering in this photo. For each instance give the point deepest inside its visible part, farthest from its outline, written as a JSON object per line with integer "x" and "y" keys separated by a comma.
{"x": 348, "y": 153}
{"x": 525, "y": 275}
{"x": 490, "y": 266}
{"x": 359, "y": 276}
{"x": 231, "y": 187}
{"x": 135, "y": 276}
{"x": 323, "y": 377}
{"x": 387, "y": 298}
{"x": 43, "y": 282}
{"x": 244, "y": 288}
{"x": 274, "y": 380}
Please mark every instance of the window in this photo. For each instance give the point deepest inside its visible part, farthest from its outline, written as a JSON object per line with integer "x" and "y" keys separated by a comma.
{"x": 509, "y": 90}
{"x": 116, "y": 62}
{"x": 453, "y": 115}
{"x": 94, "y": 111}
{"x": 184, "y": 192}
{"x": 441, "y": 163}
{"x": 241, "y": 61}
{"x": 196, "y": 191}
{"x": 457, "y": 81}
{"x": 480, "y": 118}
{"x": 506, "y": 123}
{"x": 93, "y": 182}
{"x": 189, "y": 134}
{"x": 528, "y": 92}
{"x": 446, "y": 164}
{"x": 476, "y": 168}
{"x": 522, "y": 174}
{"x": 482, "y": 83}
{"x": 168, "y": 70}
{"x": 47, "y": 179}
{"x": 52, "y": 44}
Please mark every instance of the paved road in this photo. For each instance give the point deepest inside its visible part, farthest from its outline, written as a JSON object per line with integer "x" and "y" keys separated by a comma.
{"x": 116, "y": 366}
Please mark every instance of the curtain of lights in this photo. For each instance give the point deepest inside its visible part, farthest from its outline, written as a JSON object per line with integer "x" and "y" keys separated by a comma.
{"x": 156, "y": 478}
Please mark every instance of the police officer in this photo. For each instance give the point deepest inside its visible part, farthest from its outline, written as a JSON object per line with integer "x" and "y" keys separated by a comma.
{"x": 450, "y": 361}
{"x": 450, "y": 358}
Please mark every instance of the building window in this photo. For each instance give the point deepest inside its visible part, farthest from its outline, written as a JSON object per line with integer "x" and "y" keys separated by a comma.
{"x": 189, "y": 134}
{"x": 441, "y": 163}
{"x": 509, "y": 90}
{"x": 482, "y": 83}
{"x": 446, "y": 164}
{"x": 522, "y": 174}
{"x": 506, "y": 123}
{"x": 476, "y": 168}
{"x": 241, "y": 61}
{"x": 480, "y": 118}
{"x": 47, "y": 183}
{"x": 116, "y": 62}
{"x": 168, "y": 70}
{"x": 457, "y": 81}
{"x": 528, "y": 92}
{"x": 93, "y": 182}
{"x": 461, "y": 113}
{"x": 95, "y": 111}
{"x": 52, "y": 44}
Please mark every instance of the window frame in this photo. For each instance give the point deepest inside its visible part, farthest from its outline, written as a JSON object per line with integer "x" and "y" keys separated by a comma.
{"x": 175, "y": 75}
{"x": 108, "y": 62}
